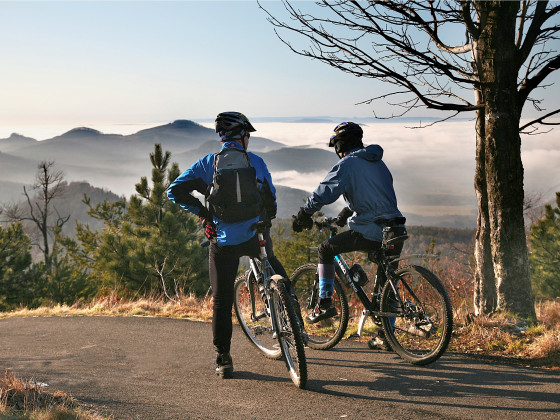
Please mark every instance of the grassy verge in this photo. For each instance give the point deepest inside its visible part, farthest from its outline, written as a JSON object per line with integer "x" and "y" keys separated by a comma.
{"x": 506, "y": 336}
{"x": 499, "y": 336}
{"x": 187, "y": 307}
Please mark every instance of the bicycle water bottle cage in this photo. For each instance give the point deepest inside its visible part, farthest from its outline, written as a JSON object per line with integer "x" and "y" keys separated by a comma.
{"x": 358, "y": 275}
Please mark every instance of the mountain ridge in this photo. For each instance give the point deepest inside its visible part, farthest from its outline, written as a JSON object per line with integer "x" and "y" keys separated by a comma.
{"x": 117, "y": 162}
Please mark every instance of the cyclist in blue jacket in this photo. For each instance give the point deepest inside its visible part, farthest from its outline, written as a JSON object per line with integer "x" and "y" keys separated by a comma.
{"x": 233, "y": 238}
{"x": 366, "y": 184}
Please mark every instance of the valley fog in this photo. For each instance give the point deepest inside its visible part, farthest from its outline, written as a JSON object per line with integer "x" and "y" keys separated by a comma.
{"x": 432, "y": 167}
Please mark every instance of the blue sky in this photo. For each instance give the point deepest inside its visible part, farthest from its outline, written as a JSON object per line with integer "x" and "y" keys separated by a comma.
{"x": 158, "y": 61}
{"x": 136, "y": 64}
{"x": 91, "y": 62}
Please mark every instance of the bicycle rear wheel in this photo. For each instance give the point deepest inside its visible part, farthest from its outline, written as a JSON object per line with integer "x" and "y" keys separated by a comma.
{"x": 327, "y": 333}
{"x": 253, "y": 315}
{"x": 289, "y": 332}
{"x": 424, "y": 320}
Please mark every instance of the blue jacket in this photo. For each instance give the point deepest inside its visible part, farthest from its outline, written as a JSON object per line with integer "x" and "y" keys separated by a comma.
{"x": 199, "y": 176}
{"x": 367, "y": 186}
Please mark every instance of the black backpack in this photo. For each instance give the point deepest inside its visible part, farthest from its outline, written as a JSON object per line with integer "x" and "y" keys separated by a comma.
{"x": 233, "y": 195}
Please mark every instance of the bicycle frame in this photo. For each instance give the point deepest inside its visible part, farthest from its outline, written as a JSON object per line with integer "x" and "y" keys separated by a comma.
{"x": 384, "y": 274}
{"x": 263, "y": 278}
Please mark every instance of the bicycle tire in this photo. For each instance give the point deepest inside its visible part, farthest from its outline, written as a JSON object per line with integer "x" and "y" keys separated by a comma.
{"x": 289, "y": 332}
{"x": 325, "y": 334}
{"x": 257, "y": 329}
{"x": 423, "y": 328}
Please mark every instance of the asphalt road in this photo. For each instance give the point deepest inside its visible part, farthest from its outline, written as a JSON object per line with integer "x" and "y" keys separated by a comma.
{"x": 154, "y": 368}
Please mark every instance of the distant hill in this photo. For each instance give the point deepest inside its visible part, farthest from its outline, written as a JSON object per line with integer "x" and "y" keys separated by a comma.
{"x": 10, "y": 192}
{"x": 111, "y": 161}
{"x": 289, "y": 200}
{"x": 115, "y": 162}
{"x": 177, "y": 137}
{"x": 14, "y": 142}
{"x": 17, "y": 169}
{"x": 300, "y": 159}
{"x": 69, "y": 203}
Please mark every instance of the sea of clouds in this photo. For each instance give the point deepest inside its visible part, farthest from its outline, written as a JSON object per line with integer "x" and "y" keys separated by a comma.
{"x": 432, "y": 167}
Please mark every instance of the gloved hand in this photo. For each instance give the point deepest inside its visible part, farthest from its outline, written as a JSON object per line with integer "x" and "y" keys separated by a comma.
{"x": 302, "y": 221}
{"x": 343, "y": 216}
{"x": 207, "y": 223}
{"x": 209, "y": 228}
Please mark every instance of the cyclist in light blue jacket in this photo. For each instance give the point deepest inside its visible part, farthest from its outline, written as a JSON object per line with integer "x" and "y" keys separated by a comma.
{"x": 366, "y": 184}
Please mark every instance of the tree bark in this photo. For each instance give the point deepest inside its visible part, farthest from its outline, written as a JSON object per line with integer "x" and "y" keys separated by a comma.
{"x": 502, "y": 159}
{"x": 485, "y": 299}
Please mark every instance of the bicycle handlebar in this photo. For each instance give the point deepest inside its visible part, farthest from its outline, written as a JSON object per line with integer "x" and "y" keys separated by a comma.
{"x": 327, "y": 222}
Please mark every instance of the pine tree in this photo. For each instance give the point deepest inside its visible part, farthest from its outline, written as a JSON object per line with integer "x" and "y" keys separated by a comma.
{"x": 294, "y": 250}
{"x": 545, "y": 252}
{"x": 15, "y": 260}
{"x": 147, "y": 245}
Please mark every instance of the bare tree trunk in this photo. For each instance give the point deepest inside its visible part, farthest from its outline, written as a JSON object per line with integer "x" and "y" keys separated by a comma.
{"x": 502, "y": 160}
{"x": 485, "y": 299}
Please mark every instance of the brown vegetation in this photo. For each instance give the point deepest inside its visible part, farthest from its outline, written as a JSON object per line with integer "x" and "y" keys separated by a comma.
{"x": 187, "y": 307}
{"x": 21, "y": 399}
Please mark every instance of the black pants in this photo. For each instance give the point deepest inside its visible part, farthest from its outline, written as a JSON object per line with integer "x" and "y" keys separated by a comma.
{"x": 351, "y": 241}
{"x": 347, "y": 241}
{"x": 223, "y": 264}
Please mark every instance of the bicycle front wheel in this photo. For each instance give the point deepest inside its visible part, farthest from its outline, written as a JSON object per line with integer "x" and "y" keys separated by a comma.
{"x": 324, "y": 334}
{"x": 289, "y": 332}
{"x": 424, "y": 318}
{"x": 253, "y": 315}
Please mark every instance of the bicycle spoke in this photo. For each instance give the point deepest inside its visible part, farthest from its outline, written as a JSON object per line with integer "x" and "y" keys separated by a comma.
{"x": 422, "y": 329}
{"x": 290, "y": 339}
{"x": 327, "y": 333}
{"x": 253, "y": 317}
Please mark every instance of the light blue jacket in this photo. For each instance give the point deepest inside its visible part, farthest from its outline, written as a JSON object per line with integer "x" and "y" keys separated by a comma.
{"x": 200, "y": 175}
{"x": 367, "y": 186}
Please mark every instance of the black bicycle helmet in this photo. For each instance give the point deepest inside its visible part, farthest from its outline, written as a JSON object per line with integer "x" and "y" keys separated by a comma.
{"x": 345, "y": 137}
{"x": 233, "y": 125}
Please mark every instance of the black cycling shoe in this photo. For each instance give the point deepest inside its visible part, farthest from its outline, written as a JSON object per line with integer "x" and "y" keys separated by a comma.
{"x": 379, "y": 342}
{"x": 225, "y": 366}
{"x": 323, "y": 310}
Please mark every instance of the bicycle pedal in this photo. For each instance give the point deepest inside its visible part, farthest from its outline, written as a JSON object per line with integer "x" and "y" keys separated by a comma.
{"x": 259, "y": 316}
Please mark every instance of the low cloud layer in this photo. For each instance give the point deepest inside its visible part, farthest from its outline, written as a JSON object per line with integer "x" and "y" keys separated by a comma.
{"x": 433, "y": 167}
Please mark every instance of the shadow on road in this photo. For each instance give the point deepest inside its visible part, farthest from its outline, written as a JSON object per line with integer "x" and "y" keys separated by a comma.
{"x": 451, "y": 382}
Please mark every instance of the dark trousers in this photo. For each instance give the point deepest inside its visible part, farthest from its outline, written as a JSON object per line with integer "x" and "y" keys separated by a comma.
{"x": 223, "y": 264}
{"x": 346, "y": 241}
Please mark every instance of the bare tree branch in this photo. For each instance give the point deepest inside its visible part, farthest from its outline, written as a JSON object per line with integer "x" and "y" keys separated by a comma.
{"x": 540, "y": 120}
{"x": 160, "y": 270}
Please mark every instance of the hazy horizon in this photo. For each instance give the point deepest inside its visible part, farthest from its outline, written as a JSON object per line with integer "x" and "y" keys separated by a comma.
{"x": 433, "y": 167}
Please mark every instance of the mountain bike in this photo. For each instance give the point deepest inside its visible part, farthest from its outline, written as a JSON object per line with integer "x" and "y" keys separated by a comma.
{"x": 409, "y": 303}
{"x": 267, "y": 315}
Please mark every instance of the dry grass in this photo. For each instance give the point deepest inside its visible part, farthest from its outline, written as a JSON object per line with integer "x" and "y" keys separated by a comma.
{"x": 21, "y": 399}
{"x": 506, "y": 336}
{"x": 187, "y": 307}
